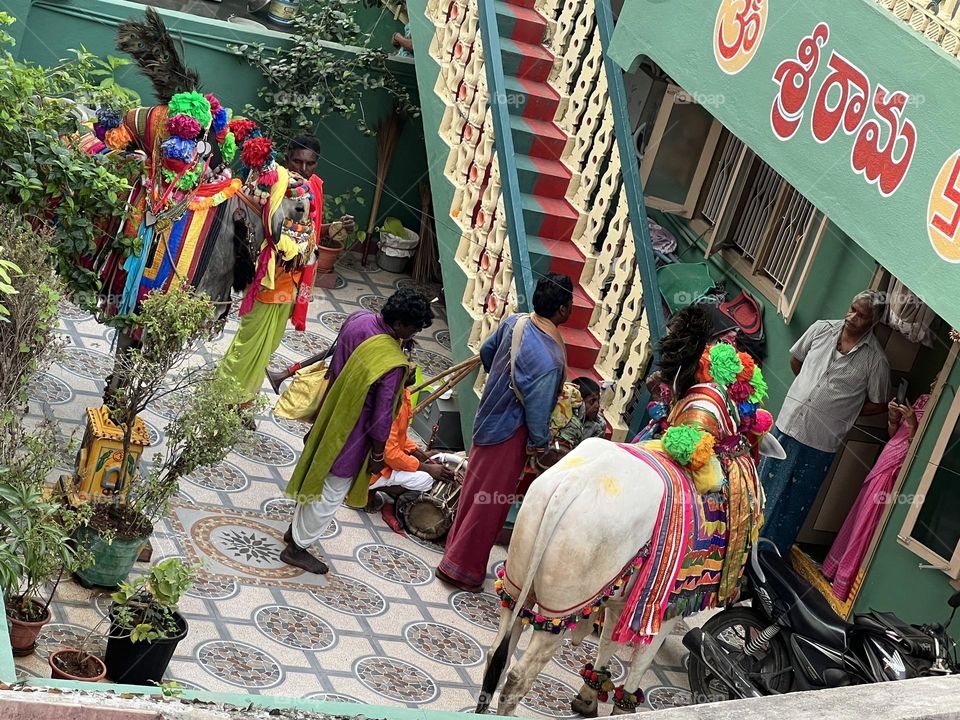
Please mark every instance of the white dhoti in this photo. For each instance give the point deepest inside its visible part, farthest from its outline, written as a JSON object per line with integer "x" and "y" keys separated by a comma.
{"x": 417, "y": 480}
{"x": 310, "y": 520}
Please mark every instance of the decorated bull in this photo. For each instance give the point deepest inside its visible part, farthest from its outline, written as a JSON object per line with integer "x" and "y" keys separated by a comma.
{"x": 191, "y": 222}
{"x": 648, "y": 532}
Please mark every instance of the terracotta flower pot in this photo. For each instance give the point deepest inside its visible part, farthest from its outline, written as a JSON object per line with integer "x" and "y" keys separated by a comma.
{"x": 23, "y": 634}
{"x": 57, "y": 673}
{"x": 327, "y": 256}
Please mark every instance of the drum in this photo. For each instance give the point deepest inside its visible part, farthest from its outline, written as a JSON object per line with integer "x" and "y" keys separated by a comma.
{"x": 429, "y": 515}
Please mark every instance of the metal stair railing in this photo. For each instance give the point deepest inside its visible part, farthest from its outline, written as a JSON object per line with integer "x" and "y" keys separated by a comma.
{"x": 633, "y": 185}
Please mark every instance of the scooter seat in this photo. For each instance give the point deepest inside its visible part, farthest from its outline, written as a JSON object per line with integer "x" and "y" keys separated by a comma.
{"x": 808, "y": 612}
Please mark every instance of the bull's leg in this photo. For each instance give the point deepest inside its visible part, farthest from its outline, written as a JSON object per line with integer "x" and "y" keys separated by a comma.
{"x": 543, "y": 646}
{"x": 586, "y": 703}
{"x": 638, "y": 668}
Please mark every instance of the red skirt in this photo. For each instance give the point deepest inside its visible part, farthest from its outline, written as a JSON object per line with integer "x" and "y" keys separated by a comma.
{"x": 489, "y": 489}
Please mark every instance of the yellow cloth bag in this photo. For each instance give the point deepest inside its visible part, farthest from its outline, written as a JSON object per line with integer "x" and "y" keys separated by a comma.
{"x": 301, "y": 400}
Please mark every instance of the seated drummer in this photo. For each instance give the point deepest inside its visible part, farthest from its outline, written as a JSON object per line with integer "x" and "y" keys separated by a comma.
{"x": 406, "y": 468}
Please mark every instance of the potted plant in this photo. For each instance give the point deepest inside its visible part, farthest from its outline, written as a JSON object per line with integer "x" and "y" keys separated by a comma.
{"x": 35, "y": 531}
{"x": 145, "y": 627}
{"x": 144, "y": 631}
{"x": 35, "y": 535}
{"x": 337, "y": 240}
{"x": 202, "y": 434}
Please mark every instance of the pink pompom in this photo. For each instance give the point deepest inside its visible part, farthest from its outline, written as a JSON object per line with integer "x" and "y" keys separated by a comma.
{"x": 539, "y": 618}
{"x": 763, "y": 422}
{"x": 501, "y": 572}
{"x": 214, "y": 103}
{"x": 269, "y": 178}
{"x": 183, "y": 126}
{"x": 740, "y": 391}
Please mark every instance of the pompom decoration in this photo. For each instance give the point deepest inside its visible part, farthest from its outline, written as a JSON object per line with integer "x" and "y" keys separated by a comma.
{"x": 746, "y": 375}
{"x": 681, "y": 441}
{"x": 190, "y": 179}
{"x": 703, "y": 369}
{"x": 241, "y": 128}
{"x": 228, "y": 147}
{"x": 724, "y": 364}
{"x": 100, "y": 131}
{"x": 214, "y": 103}
{"x": 763, "y": 422}
{"x": 176, "y": 148}
{"x": 183, "y": 126}
{"x": 119, "y": 138}
{"x": 219, "y": 120}
{"x": 108, "y": 118}
{"x": 193, "y": 104}
{"x": 256, "y": 151}
{"x": 740, "y": 391}
{"x": 703, "y": 452}
{"x": 269, "y": 178}
{"x": 759, "y": 386}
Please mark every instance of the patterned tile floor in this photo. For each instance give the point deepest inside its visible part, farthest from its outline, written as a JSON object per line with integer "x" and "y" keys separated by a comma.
{"x": 379, "y": 629}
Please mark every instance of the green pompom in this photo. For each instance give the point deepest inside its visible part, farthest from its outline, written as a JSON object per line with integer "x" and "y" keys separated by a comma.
{"x": 190, "y": 179}
{"x": 193, "y": 104}
{"x": 228, "y": 148}
{"x": 759, "y": 386}
{"x": 681, "y": 441}
{"x": 725, "y": 365}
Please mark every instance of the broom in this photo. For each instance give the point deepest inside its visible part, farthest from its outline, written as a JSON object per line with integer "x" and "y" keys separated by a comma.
{"x": 388, "y": 133}
{"x": 426, "y": 267}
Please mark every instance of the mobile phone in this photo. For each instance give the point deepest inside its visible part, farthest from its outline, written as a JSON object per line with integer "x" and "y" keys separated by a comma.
{"x": 902, "y": 392}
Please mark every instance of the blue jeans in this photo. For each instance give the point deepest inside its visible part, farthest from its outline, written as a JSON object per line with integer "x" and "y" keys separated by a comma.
{"x": 791, "y": 487}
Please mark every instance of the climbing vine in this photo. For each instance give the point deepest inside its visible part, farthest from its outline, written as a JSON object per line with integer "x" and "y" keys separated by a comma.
{"x": 312, "y": 80}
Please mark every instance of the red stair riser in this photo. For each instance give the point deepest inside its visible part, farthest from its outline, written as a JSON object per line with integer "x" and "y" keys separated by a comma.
{"x": 523, "y": 3}
{"x": 522, "y": 29}
{"x": 580, "y": 356}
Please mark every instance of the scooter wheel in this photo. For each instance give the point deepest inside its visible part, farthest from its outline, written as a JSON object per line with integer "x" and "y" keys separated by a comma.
{"x": 732, "y": 628}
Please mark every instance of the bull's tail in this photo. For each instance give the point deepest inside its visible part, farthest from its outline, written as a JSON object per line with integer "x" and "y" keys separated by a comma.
{"x": 561, "y": 500}
{"x": 493, "y": 673}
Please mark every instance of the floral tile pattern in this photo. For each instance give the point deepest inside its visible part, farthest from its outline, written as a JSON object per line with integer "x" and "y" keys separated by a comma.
{"x": 379, "y": 628}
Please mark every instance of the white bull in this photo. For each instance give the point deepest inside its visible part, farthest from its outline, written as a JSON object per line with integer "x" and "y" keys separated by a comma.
{"x": 582, "y": 521}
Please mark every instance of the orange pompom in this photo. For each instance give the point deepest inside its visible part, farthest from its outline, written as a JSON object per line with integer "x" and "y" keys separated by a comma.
{"x": 119, "y": 138}
{"x": 703, "y": 452}
{"x": 746, "y": 375}
{"x": 703, "y": 369}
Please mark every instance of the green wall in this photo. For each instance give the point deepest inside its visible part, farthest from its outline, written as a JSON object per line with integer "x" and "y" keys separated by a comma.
{"x": 841, "y": 270}
{"x": 680, "y": 37}
{"x": 448, "y": 234}
{"x": 47, "y": 29}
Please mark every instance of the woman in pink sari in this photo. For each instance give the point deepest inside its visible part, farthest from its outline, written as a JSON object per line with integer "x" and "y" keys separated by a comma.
{"x": 846, "y": 555}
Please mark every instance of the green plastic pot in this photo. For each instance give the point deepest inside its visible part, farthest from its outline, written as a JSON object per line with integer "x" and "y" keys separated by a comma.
{"x": 113, "y": 561}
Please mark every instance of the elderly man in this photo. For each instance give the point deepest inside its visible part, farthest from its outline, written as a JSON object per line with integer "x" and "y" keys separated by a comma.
{"x": 262, "y": 328}
{"x": 841, "y": 373}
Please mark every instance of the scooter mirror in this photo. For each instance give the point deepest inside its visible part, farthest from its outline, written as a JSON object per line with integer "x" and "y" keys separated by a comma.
{"x": 954, "y": 600}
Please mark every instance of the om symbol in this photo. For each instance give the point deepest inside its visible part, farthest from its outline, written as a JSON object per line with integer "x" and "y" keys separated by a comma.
{"x": 737, "y": 33}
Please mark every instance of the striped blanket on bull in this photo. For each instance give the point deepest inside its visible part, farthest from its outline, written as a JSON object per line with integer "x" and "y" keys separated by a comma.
{"x": 684, "y": 572}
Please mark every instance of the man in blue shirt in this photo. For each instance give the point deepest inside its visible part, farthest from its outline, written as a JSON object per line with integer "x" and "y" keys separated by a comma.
{"x": 526, "y": 364}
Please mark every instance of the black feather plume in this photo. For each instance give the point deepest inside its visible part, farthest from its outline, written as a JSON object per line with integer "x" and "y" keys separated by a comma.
{"x": 156, "y": 53}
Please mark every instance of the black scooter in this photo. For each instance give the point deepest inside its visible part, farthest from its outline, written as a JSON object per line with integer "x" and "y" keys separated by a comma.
{"x": 790, "y": 639}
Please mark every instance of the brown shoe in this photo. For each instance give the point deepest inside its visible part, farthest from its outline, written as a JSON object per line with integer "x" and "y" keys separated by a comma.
{"x": 299, "y": 557}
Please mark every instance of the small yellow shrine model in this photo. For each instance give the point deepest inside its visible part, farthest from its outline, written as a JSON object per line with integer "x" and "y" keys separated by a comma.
{"x": 98, "y": 470}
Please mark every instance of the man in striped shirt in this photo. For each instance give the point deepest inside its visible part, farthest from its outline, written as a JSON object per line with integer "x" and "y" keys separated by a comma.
{"x": 841, "y": 373}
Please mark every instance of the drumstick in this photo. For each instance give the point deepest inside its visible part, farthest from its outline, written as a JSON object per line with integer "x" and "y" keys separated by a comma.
{"x": 470, "y": 363}
{"x": 449, "y": 383}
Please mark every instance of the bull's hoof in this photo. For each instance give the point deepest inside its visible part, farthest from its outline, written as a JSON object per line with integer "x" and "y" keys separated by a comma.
{"x": 584, "y": 707}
